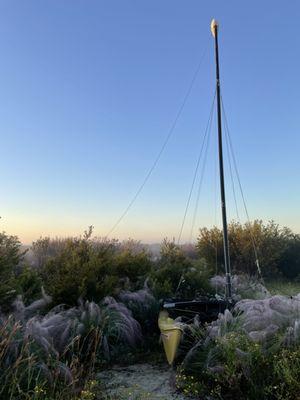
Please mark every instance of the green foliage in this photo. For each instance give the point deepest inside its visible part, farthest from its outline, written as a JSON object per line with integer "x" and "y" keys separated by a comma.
{"x": 177, "y": 275}
{"x": 132, "y": 264}
{"x": 94, "y": 269}
{"x": 285, "y": 375}
{"x": 278, "y": 248}
{"x": 219, "y": 370}
{"x": 234, "y": 367}
{"x": 29, "y": 284}
{"x": 289, "y": 264}
{"x": 10, "y": 257}
{"x": 75, "y": 271}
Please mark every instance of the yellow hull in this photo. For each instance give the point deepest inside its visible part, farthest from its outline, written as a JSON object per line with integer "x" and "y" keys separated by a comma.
{"x": 171, "y": 332}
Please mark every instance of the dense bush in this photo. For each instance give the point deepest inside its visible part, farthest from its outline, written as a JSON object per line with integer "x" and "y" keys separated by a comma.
{"x": 78, "y": 270}
{"x": 94, "y": 269}
{"x": 28, "y": 283}
{"x": 289, "y": 264}
{"x": 225, "y": 359}
{"x": 175, "y": 275}
{"x": 234, "y": 367}
{"x": 277, "y": 248}
{"x": 10, "y": 258}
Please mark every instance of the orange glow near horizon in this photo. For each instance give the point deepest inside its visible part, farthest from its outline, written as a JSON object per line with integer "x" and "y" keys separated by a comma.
{"x": 29, "y": 229}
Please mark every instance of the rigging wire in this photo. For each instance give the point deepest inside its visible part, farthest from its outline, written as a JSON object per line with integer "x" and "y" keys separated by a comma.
{"x": 168, "y": 137}
{"x": 231, "y": 176}
{"x": 254, "y": 244}
{"x": 196, "y": 169}
{"x": 201, "y": 179}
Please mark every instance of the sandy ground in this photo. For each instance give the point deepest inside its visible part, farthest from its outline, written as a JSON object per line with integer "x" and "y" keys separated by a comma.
{"x": 140, "y": 381}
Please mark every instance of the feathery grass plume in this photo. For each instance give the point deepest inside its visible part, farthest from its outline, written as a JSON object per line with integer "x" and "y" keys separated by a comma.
{"x": 142, "y": 297}
{"x": 144, "y": 308}
{"x": 243, "y": 286}
{"x": 19, "y": 309}
{"x": 22, "y": 313}
{"x": 35, "y": 352}
{"x": 28, "y": 359}
{"x": 87, "y": 334}
{"x": 41, "y": 303}
{"x": 119, "y": 322}
{"x": 56, "y": 351}
{"x": 256, "y": 335}
{"x": 40, "y": 335}
{"x": 259, "y": 315}
{"x": 58, "y": 328}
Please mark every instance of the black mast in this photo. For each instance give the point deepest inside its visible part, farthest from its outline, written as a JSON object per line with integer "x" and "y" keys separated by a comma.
{"x": 214, "y": 30}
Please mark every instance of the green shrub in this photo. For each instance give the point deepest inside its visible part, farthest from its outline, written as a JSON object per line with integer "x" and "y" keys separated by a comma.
{"x": 177, "y": 275}
{"x": 10, "y": 258}
{"x": 78, "y": 270}
{"x": 235, "y": 367}
{"x": 285, "y": 375}
{"x": 277, "y": 248}
{"x": 289, "y": 265}
{"x": 93, "y": 269}
{"x": 29, "y": 284}
{"x": 133, "y": 266}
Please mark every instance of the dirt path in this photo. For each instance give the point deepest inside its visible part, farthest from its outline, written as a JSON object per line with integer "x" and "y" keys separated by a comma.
{"x": 140, "y": 381}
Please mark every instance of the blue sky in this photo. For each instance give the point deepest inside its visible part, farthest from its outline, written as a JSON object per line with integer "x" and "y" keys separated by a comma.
{"x": 90, "y": 88}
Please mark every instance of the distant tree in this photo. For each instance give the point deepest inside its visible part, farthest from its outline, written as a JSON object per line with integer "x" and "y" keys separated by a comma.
{"x": 45, "y": 248}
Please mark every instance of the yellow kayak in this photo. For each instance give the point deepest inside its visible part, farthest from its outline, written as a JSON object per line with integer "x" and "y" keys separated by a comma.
{"x": 171, "y": 332}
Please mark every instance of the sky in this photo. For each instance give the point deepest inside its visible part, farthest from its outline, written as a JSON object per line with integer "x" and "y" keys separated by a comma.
{"x": 89, "y": 91}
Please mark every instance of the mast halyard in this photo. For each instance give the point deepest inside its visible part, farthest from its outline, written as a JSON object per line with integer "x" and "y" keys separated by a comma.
{"x": 214, "y": 29}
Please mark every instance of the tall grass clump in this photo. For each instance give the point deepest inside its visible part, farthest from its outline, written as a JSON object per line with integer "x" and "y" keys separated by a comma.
{"x": 234, "y": 367}
{"x": 144, "y": 307}
{"x": 250, "y": 353}
{"x": 53, "y": 355}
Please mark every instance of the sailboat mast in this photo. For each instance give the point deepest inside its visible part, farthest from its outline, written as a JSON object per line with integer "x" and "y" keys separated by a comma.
{"x": 214, "y": 29}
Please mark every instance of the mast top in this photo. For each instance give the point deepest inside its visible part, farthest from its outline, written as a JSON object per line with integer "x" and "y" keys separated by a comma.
{"x": 213, "y": 27}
